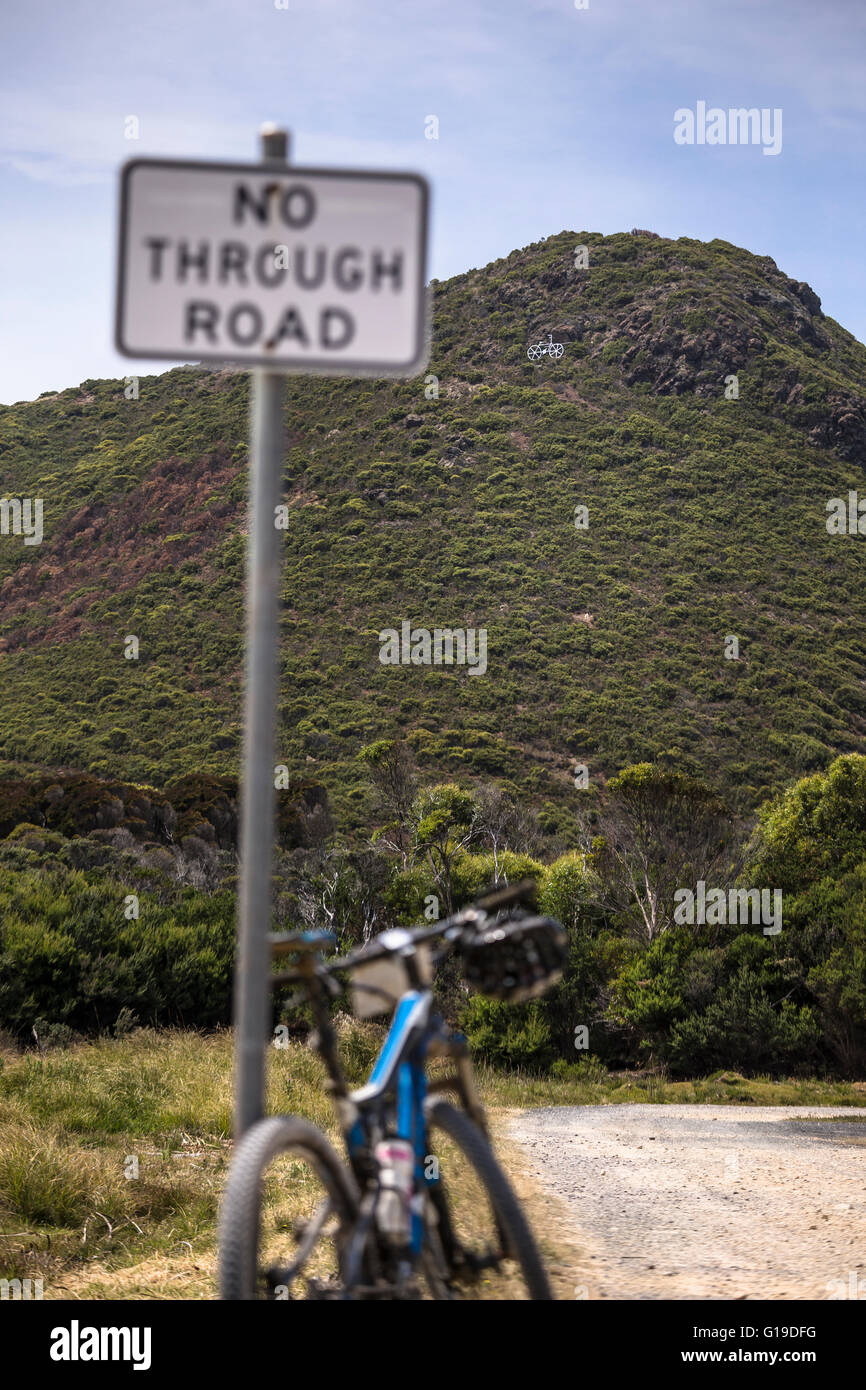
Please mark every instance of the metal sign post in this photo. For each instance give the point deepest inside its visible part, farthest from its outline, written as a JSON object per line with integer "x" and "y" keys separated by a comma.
{"x": 281, "y": 270}
{"x": 258, "y": 797}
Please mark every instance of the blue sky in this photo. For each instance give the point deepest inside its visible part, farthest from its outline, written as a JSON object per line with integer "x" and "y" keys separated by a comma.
{"x": 550, "y": 118}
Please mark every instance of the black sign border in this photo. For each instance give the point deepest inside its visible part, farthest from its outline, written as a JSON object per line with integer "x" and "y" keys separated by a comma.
{"x": 312, "y": 367}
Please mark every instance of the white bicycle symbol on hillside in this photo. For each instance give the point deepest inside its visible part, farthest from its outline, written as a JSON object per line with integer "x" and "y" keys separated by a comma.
{"x": 550, "y": 347}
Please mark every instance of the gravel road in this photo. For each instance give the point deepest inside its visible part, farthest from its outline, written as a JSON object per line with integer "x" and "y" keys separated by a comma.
{"x": 706, "y": 1201}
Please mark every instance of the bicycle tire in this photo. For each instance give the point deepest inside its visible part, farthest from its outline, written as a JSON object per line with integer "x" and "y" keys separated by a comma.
{"x": 476, "y": 1149}
{"x": 241, "y": 1204}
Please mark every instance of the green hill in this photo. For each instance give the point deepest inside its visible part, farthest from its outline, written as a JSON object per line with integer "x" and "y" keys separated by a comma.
{"x": 605, "y": 646}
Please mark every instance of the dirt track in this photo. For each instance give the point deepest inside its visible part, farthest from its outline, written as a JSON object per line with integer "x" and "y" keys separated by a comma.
{"x": 706, "y": 1201}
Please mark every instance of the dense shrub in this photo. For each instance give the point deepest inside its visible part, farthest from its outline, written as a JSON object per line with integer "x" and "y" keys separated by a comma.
{"x": 71, "y": 958}
{"x": 508, "y": 1035}
{"x": 100, "y": 933}
{"x": 744, "y": 1029}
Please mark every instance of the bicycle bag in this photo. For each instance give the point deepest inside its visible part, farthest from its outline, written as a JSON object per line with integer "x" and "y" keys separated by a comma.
{"x": 515, "y": 959}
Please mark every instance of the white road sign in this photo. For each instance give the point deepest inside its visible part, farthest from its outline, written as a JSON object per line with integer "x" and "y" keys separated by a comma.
{"x": 298, "y": 270}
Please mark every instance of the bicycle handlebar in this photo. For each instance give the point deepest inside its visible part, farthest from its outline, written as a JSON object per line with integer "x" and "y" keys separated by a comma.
{"x": 474, "y": 914}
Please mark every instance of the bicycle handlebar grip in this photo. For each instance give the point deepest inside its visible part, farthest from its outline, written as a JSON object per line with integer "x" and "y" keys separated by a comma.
{"x": 523, "y": 892}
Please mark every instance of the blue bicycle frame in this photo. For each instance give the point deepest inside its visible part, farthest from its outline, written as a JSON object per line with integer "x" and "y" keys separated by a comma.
{"x": 400, "y": 1070}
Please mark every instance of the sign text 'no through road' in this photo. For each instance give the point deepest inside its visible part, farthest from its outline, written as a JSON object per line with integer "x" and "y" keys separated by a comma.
{"x": 299, "y": 270}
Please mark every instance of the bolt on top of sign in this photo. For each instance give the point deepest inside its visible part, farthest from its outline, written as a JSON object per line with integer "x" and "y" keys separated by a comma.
{"x": 297, "y": 270}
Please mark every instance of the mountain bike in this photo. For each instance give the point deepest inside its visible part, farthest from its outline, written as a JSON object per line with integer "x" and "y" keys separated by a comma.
{"x": 419, "y": 1207}
{"x": 550, "y": 347}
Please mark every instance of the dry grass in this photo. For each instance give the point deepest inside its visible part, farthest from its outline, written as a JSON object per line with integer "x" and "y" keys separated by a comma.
{"x": 78, "y": 1124}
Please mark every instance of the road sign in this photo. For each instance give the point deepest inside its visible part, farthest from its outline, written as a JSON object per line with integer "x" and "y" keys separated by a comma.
{"x": 296, "y": 270}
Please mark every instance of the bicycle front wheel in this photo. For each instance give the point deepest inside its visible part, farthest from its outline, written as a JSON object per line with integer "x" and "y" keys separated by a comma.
{"x": 494, "y": 1257}
{"x": 283, "y": 1233}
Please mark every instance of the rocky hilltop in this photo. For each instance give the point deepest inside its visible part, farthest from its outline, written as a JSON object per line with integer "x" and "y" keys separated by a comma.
{"x": 610, "y": 518}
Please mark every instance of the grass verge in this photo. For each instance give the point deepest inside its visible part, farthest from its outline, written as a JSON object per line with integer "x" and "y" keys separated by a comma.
{"x": 113, "y": 1153}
